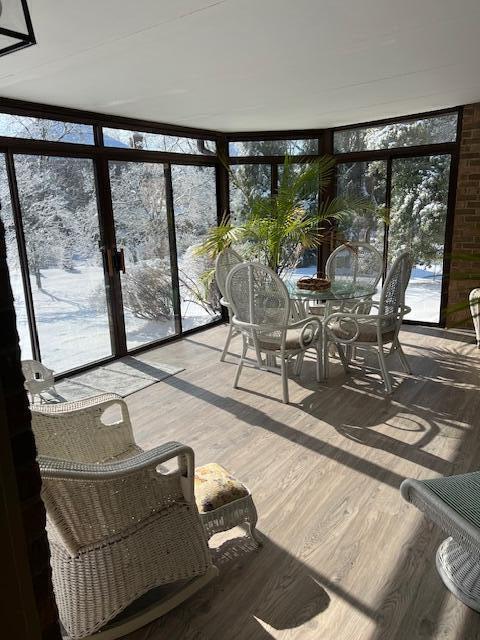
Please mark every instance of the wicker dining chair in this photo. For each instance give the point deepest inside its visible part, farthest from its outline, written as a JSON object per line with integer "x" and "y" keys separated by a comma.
{"x": 38, "y": 378}
{"x": 374, "y": 331}
{"x": 352, "y": 262}
{"x": 119, "y": 524}
{"x": 262, "y": 312}
{"x": 226, "y": 260}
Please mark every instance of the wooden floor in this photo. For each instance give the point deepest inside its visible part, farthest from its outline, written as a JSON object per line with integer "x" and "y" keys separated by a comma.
{"x": 344, "y": 556}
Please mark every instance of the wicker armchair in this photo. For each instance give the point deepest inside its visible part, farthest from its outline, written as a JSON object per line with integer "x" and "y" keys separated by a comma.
{"x": 453, "y": 504}
{"x": 38, "y": 378}
{"x": 262, "y": 312}
{"x": 119, "y": 524}
{"x": 357, "y": 262}
{"x": 373, "y": 331}
{"x": 226, "y": 260}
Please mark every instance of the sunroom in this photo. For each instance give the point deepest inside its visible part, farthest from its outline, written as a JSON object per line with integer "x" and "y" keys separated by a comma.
{"x": 241, "y": 318}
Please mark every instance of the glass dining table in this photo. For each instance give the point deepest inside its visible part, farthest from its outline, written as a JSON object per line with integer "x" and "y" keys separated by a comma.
{"x": 338, "y": 294}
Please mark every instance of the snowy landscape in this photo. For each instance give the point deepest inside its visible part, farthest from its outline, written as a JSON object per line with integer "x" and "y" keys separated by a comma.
{"x": 72, "y": 320}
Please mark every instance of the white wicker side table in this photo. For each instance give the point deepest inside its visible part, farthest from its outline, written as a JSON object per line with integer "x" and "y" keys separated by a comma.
{"x": 224, "y": 502}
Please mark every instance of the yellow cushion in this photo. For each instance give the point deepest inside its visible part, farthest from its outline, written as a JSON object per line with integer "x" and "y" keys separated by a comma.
{"x": 215, "y": 487}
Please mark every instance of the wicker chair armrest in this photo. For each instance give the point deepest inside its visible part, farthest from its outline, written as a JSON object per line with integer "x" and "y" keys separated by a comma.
{"x": 88, "y": 503}
{"x": 306, "y": 324}
{"x": 73, "y": 405}
{"x": 352, "y": 319}
{"x": 67, "y": 469}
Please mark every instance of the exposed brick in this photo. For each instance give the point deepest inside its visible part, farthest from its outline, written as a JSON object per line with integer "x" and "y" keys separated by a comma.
{"x": 466, "y": 230}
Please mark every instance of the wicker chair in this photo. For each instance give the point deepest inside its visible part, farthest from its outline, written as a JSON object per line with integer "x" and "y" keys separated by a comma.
{"x": 357, "y": 262}
{"x": 357, "y": 329}
{"x": 226, "y": 259}
{"x": 453, "y": 504}
{"x": 38, "y": 378}
{"x": 119, "y": 525}
{"x": 262, "y": 312}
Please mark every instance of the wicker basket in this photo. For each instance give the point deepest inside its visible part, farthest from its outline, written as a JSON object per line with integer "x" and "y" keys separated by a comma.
{"x": 315, "y": 283}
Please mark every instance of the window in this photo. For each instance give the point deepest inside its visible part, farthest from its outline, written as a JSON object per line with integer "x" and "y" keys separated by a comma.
{"x": 273, "y": 147}
{"x": 422, "y": 131}
{"x": 417, "y": 223}
{"x": 60, "y": 221}
{"x": 156, "y": 142}
{"x": 367, "y": 180}
{"x": 13, "y": 263}
{"x": 141, "y": 229}
{"x": 195, "y": 205}
{"x": 247, "y": 181}
{"x": 42, "y": 129}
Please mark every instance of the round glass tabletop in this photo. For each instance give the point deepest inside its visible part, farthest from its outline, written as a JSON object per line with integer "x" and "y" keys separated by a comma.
{"x": 337, "y": 291}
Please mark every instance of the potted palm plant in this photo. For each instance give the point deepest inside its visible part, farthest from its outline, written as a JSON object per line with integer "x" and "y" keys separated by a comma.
{"x": 278, "y": 228}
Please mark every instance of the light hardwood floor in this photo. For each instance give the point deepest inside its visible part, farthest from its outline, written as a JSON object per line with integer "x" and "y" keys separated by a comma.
{"x": 345, "y": 558}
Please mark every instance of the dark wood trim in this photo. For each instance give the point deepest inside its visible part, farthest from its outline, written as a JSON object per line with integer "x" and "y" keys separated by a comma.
{"x": 172, "y": 242}
{"x": 291, "y": 134}
{"x": 450, "y": 222}
{"x": 324, "y": 250}
{"x": 22, "y": 255}
{"x": 67, "y": 149}
{"x": 274, "y": 179}
{"x": 67, "y": 114}
{"x": 386, "y": 227}
{"x": 113, "y": 286}
{"x": 271, "y": 159}
{"x": 398, "y": 152}
{"x": 395, "y": 119}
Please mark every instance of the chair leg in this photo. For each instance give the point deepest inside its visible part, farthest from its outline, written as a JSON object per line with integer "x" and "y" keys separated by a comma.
{"x": 325, "y": 358}
{"x": 385, "y": 373}
{"x": 299, "y": 363}
{"x": 240, "y": 364}
{"x": 227, "y": 343}
{"x": 284, "y": 372}
{"x": 319, "y": 364}
{"x": 402, "y": 356}
{"x": 342, "y": 357}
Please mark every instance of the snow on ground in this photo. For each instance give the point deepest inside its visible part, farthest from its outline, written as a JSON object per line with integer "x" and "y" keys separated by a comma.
{"x": 423, "y": 293}
{"x": 73, "y": 326}
{"x": 72, "y": 320}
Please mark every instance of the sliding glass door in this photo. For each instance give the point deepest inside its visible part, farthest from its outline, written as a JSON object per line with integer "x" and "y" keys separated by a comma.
{"x": 410, "y": 201}
{"x": 61, "y": 233}
{"x": 144, "y": 251}
{"x": 419, "y": 201}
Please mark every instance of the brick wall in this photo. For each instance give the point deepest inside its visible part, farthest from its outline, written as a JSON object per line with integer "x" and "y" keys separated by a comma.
{"x": 466, "y": 231}
{"x": 16, "y": 418}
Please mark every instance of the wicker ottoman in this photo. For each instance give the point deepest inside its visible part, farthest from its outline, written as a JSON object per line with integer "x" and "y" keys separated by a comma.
{"x": 223, "y": 501}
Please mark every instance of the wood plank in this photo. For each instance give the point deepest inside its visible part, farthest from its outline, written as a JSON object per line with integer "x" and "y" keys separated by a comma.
{"x": 345, "y": 558}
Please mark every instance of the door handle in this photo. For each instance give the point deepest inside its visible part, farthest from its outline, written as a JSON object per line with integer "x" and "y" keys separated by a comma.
{"x": 121, "y": 260}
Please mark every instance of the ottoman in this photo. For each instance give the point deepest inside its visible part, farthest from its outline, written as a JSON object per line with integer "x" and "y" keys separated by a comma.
{"x": 224, "y": 502}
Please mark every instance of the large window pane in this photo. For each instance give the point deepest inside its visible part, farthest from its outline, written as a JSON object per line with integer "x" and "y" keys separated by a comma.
{"x": 42, "y": 129}
{"x": 60, "y": 220}
{"x": 367, "y": 180}
{"x": 14, "y": 263}
{"x": 418, "y": 216}
{"x": 431, "y": 130}
{"x": 156, "y": 142}
{"x": 141, "y": 227}
{"x": 307, "y": 260}
{"x": 273, "y": 147}
{"x": 195, "y": 208}
{"x": 247, "y": 181}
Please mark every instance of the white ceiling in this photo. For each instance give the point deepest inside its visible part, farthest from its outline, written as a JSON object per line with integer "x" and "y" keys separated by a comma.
{"x": 236, "y": 65}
